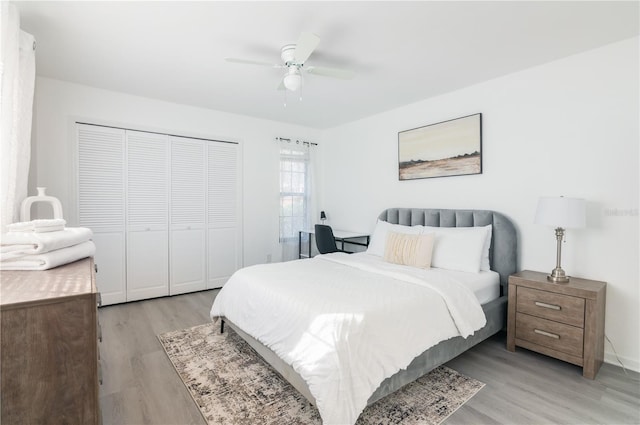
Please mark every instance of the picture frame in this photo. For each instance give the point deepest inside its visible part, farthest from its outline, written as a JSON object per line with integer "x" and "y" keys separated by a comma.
{"x": 447, "y": 148}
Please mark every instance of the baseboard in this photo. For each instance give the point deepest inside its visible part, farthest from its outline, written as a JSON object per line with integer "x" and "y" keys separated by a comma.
{"x": 629, "y": 363}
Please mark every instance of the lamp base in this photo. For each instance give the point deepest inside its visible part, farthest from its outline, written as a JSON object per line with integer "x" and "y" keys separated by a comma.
{"x": 558, "y": 276}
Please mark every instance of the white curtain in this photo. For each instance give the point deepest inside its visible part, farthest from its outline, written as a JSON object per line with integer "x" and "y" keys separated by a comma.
{"x": 17, "y": 69}
{"x": 297, "y": 195}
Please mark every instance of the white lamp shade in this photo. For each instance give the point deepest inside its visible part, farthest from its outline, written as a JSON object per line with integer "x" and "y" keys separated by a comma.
{"x": 293, "y": 81}
{"x": 561, "y": 212}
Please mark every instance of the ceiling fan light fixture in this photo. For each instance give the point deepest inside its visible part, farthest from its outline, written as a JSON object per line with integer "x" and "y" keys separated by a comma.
{"x": 294, "y": 58}
{"x": 293, "y": 80}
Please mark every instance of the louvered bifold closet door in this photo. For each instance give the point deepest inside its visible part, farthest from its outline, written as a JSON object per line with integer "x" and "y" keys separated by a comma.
{"x": 223, "y": 212}
{"x": 101, "y": 204}
{"x": 147, "y": 215}
{"x": 188, "y": 213}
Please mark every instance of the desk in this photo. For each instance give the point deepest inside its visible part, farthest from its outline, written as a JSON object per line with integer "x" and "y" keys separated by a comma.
{"x": 342, "y": 236}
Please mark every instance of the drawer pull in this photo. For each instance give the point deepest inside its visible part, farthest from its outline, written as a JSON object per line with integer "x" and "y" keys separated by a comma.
{"x": 545, "y": 305}
{"x": 549, "y": 334}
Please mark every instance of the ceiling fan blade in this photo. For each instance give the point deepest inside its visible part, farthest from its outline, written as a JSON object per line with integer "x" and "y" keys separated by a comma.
{"x": 307, "y": 43}
{"x": 343, "y": 74}
{"x": 252, "y": 62}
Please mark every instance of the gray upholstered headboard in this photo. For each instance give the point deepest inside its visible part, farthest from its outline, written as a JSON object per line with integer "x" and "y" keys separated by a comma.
{"x": 503, "y": 253}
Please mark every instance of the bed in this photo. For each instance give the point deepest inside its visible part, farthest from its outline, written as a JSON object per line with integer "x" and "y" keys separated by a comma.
{"x": 502, "y": 255}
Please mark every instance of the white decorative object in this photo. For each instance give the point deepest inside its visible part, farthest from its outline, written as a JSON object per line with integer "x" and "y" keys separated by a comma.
{"x": 25, "y": 208}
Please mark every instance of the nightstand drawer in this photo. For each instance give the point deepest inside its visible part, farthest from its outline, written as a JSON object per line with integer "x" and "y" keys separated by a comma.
{"x": 558, "y": 336}
{"x": 557, "y": 307}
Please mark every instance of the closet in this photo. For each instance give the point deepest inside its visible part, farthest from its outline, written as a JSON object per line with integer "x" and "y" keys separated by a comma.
{"x": 165, "y": 211}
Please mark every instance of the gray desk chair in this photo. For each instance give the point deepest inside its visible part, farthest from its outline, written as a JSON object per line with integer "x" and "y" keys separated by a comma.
{"x": 325, "y": 241}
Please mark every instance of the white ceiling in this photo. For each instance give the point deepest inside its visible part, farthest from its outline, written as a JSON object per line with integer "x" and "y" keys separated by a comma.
{"x": 402, "y": 52}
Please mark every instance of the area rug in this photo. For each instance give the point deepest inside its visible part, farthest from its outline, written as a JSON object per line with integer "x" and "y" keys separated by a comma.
{"x": 231, "y": 384}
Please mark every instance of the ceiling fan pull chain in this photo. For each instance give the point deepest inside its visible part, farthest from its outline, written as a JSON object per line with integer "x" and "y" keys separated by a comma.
{"x": 285, "y": 98}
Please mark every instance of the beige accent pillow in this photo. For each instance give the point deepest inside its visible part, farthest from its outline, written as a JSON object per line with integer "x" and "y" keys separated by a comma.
{"x": 409, "y": 250}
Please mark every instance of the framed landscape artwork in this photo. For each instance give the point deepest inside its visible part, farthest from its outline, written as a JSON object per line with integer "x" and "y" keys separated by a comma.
{"x": 448, "y": 148}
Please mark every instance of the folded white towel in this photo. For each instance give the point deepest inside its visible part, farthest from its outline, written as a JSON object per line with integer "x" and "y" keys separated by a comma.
{"x": 18, "y": 244}
{"x": 38, "y": 226}
{"x": 50, "y": 259}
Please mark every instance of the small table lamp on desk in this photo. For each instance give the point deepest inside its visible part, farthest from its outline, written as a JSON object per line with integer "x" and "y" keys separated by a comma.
{"x": 561, "y": 213}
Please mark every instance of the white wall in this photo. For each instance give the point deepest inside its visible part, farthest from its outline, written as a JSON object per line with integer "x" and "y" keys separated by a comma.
{"x": 569, "y": 127}
{"x": 58, "y": 104}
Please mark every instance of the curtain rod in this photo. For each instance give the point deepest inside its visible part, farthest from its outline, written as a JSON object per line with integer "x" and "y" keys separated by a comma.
{"x": 282, "y": 139}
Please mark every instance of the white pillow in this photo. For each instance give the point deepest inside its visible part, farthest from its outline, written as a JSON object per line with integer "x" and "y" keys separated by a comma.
{"x": 484, "y": 261}
{"x": 379, "y": 237}
{"x": 458, "y": 248}
{"x": 409, "y": 250}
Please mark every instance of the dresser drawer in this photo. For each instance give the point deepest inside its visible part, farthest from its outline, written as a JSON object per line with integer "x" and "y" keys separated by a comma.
{"x": 548, "y": 305}
{"x": 558, "y": 336}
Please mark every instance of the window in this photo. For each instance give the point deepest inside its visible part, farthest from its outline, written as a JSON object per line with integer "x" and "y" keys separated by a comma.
{"x": 294, "y": 190}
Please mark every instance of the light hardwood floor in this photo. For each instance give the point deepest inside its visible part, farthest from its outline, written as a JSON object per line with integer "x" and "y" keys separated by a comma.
{"x": 140, "y": 385}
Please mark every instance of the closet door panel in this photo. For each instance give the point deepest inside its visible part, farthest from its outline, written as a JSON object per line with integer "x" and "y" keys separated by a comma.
{"x": 187, "y": 246}
{"x": 188, "y": 181}
{"x": 101, "y": 204}
{"x": 223, "y": 258}
{"x": 147, "y": 264}
{"x": 223, "y": 193}
{"x": 110, "y": 262}
{"x": 147, "y": 215}
{"x": 223, "y": 213}
{"x": 147, "y": 180}
{"x": 188, "y": 271}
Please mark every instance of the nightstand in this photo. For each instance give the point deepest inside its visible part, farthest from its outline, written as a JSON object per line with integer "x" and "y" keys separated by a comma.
{"x": 561, "y": 320}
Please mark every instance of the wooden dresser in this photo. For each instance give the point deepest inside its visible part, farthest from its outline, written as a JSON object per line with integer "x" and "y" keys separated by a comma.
{"x": 561, "y": 320}
{"x": 49, "y": 337}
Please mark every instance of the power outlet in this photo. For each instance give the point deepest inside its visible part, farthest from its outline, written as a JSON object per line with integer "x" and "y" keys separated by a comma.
{"x": 268, "y": 258}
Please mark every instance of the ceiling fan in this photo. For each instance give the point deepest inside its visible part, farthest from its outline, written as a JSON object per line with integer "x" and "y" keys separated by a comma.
{"x": 294, "y": 57}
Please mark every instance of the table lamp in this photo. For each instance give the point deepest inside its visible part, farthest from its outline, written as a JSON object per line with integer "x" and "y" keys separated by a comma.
{"x": 323, "y": 216}
{"x": 561, "y": 213}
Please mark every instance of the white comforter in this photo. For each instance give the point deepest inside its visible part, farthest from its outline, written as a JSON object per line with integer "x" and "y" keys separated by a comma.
{"x": 347, "y": 322}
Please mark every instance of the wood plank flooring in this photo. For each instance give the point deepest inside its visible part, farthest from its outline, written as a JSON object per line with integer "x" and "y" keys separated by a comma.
{"x": 140, "y": 385}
